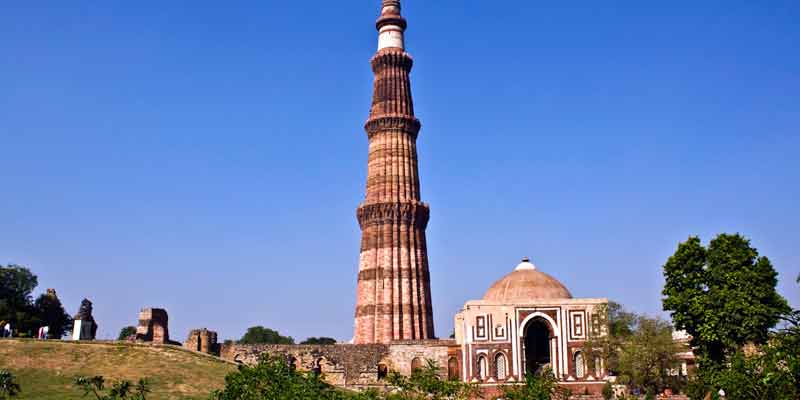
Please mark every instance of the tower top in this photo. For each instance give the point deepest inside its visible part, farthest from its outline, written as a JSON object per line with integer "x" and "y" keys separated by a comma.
{"x": 391, "y": 26}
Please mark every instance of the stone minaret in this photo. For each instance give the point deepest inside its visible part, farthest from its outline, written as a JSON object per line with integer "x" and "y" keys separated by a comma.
{"x": 394, "y": 297}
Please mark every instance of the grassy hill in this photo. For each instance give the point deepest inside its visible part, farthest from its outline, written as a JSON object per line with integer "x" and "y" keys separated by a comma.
{"x": 45, "y": 370}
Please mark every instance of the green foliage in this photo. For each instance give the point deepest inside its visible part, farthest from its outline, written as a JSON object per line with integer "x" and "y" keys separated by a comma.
{"x": 8, "y": 385}
{"x": 724, "y": 296}
{"x": 51, "y": 313}
{"x": 638, "y": 349}
{"x": 273, "y": 378}
{"x": 16, "y": 304}
{"x": 773, "y": 372}
{"x": 541, "y": 386}
{"x": 427, "y": 383}
{"x": 25, "y": 315}
{"x": 608, "y": 391}
{"x": 647, "y": 355}
{"x": 121, "y": 390}
{"x": 261, "y": 335}
{"x": 319, "y": 341}
{"x": 126, "y": 332}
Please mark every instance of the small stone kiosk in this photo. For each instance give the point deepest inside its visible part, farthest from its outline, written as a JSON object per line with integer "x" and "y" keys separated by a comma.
{"x": 84, "y": 326}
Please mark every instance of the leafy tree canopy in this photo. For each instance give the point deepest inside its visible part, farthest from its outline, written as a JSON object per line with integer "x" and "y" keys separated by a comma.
{"x": 16, "y": 285}
{"x": 262, "y": 335}
{"x": 648, "y": 355}
{"x": 51, "y": 313}
{"x": 126, "y": 332}
{"x": 638, "y": 349}
{"x": 319, "y": 341}
{"x": 723, "y": 295}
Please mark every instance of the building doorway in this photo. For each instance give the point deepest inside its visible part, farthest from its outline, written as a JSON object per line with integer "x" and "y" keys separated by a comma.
{"x": 537, "y": 345}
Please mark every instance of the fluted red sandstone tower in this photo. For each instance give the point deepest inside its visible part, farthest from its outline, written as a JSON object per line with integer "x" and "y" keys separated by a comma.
{"x": 394, "y": 297}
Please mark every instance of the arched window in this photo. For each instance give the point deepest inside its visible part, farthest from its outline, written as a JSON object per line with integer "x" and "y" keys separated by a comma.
{"x": 579, "y": 365}
{"x": 416, "y": 364}
{"x": 383, "y": 371}
{"x": 452, "y": 369}
{"x": 483, "y": 368}
{"x": 316, "y": 369}
{"x": 598, "y": 367}
{"x": 500, "y": 366}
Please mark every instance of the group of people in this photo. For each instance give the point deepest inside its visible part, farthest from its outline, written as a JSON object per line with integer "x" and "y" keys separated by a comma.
{"x": 43, "y": 331}
{"x": 7, "y": 332}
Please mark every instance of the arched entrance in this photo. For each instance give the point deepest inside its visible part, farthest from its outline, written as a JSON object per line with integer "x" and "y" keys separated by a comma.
{"x": 537, "y": 345}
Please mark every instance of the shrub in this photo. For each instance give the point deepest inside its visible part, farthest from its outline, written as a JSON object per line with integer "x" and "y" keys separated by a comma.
{"x": 121, "y": 390}
{"x": 608, "y": 391}
{"x": 8, "y": 385}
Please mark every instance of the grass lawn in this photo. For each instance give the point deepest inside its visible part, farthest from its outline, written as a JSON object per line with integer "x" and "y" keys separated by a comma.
{"x": 45, "y": 370}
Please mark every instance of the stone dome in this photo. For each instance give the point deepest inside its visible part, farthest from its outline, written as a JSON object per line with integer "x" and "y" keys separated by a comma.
{"x": 524, "y": 284}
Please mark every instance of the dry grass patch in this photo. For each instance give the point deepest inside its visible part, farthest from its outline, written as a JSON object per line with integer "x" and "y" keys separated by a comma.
{"x": 45, "y": 370}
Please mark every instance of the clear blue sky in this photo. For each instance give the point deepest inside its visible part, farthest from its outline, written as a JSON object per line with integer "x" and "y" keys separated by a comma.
{"x": 208, "y": 158}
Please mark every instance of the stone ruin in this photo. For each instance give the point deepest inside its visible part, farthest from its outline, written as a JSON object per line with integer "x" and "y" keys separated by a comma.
{"x": 84, "y": 325}
{"x": 153, "y": 326}
{"x": 351, "y": 366}
{"x": 202, "y": 340}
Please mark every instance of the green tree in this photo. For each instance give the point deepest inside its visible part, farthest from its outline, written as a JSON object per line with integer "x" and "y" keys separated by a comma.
{"x": 50, "y": 313}
{"x": 126, "y": 332}
{"x": 770, "y": 372}
{"x": 261, "y": 335}
{"x": 8, "y": 385}
{"x": 724, "y": 296}
{"x": 319, "y": 341}
{"x": 541, "y": 386}
{"x": 121, "y": 390}
{"x": 648, "y": 355}
{"x": 16, "y": 304}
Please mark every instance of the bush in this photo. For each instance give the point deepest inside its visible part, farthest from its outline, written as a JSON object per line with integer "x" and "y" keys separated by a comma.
{"x": 541, "y": 386}
{"x": 8, "y": 385}
{"x": 608, "y": 391}
{"x": 275, "y": 379}
{"x": 121, "y": 390}
{"x": 126, "y": 332}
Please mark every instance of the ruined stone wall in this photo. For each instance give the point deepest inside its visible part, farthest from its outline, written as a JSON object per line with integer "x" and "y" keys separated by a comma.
{"x": 153, "y": 326}
{"x": 348, "y": 365}
{"x": 202, "y": 340}
{"x": 344, "y": 365}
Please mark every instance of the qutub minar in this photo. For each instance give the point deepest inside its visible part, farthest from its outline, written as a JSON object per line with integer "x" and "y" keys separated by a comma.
{"x": 394, "y": 297}
{"x": 526, "y": 322}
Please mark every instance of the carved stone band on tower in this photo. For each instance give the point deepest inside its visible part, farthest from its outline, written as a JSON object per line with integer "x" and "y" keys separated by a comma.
{"x": 393, "y": 299}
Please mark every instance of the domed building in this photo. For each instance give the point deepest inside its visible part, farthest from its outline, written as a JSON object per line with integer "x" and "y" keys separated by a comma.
{"x": 528, "y": 321}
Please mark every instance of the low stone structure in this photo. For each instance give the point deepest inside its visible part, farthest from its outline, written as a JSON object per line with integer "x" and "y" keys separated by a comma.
{"x": 352, "y": 366}
{"x": 153, "y": 326}
{"x": 84, "y": 326}
{"x": 202, "y": 340}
